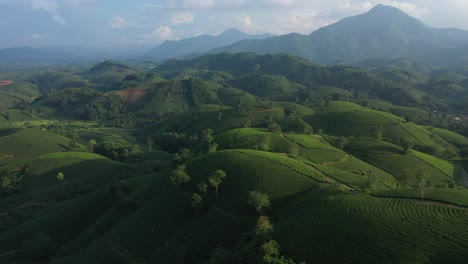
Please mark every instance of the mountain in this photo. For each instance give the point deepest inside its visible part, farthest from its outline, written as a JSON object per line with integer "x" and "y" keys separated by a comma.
{"x": 384, "y": 31}
{"x": 200, "y": 44}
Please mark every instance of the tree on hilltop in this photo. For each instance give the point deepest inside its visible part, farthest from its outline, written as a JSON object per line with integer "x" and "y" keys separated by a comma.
{"x": 216, "y": 179}
{"x": 258, "y": 200}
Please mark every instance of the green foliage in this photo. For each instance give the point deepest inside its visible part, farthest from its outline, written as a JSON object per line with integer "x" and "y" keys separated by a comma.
{"x": 258, "y": 200}
{"x": 270, "y": 249}
{"x": 263, "y": 143}
{"x": 91, "y": 144}
{"x": 182, "y": 156}
{"x": 274, "y": 127}
{"x": 179, "y": 176}
{"x": 264, "y": 228}
{"x": 197, "y": 201}
{"x": 216, "y": 179}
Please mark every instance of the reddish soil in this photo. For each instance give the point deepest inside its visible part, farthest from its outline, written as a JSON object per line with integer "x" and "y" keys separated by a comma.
{"x": 5, "y": 83}
{"x": 132, "y": 95}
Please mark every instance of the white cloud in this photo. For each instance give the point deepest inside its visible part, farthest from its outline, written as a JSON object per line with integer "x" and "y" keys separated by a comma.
{"x": 49, "y": 6}
{"x": 36, "y": 35}
{"x": 181, "y": 18}
{"x": 117, "y": 22}
{"x": 158, "y": 34}
{"x": 301, "y": 21}
{"x": 246, "y": 21}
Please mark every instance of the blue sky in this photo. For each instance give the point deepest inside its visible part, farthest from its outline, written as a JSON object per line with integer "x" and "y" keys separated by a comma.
{"x": 103, "y": 23}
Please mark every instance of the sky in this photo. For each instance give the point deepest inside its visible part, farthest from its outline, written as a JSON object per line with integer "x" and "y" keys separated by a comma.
{"x": 117, "y": 23}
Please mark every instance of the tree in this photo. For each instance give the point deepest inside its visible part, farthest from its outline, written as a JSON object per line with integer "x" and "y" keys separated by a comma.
{"x": 370, "y": 183}
{"x": 213, "y": 147}
{"x": 303, "y": 127}
{"x": 179, "y": 176}
{"x": 263, "y": 143}
{"x": 150, "y": 143}
{"x": 341, "y": 142}
{"x": 183, "y": 155}
{"x": 270, "y": 249}
{"x": 293, "y": 150}
{"x": 61, "y": 177}
{"x": 264, "y": 228}
{"x": 197, "y": 201}
{"x": 202, "y": 188}
{"x": 91, "y": 144}
{"x": 216, "y": 179}
{"x": 72, "y": 144}
{"x": 247, "y": 123}
{"x": 274, "y": 127}
{"x": 258, "y": 200}
{"x": 421, "y": 178}
{"x": 207, "y": 135}
{"x": 406, "y": 145}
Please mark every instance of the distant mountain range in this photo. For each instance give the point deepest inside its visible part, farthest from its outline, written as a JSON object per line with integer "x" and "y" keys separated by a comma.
{"x": 384, "y": 31}
{"x": 200, "y": 44}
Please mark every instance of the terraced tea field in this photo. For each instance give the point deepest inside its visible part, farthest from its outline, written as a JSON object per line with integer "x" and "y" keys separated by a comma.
{"x": 363, "y": 229}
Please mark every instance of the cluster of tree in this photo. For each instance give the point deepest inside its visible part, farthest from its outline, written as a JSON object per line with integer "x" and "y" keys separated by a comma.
{"x": 297, "y": 125}
{"x": 203, "y": 189}
{"x": 113, "y": 150}
{"x": 11, "y": 181}
{"x": 257, "y": 245}
{"x": 108, "y": 107}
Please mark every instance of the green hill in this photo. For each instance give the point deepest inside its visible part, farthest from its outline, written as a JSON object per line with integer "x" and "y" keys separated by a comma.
{"x": 26, "y": 144}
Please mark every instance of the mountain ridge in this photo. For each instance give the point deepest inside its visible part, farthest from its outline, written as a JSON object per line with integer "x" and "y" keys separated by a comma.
{"x": 384, "y": 31}
{"x": 200, "y": 44}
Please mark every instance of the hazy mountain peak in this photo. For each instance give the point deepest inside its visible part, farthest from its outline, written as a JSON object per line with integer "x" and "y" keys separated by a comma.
{"x": 381, "y": 8}
{"x": 200, "y": 44}
{"x": 383, "y": 31}
{"x": 232, "y": 31}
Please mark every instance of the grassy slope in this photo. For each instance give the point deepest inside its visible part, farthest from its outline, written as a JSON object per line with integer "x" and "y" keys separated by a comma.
{"x": 26, "y": 144}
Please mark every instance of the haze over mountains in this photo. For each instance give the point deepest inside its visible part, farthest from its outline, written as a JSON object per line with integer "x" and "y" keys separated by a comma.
{"x": 200, "y": 44}
{"x": 383, "y": 32}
